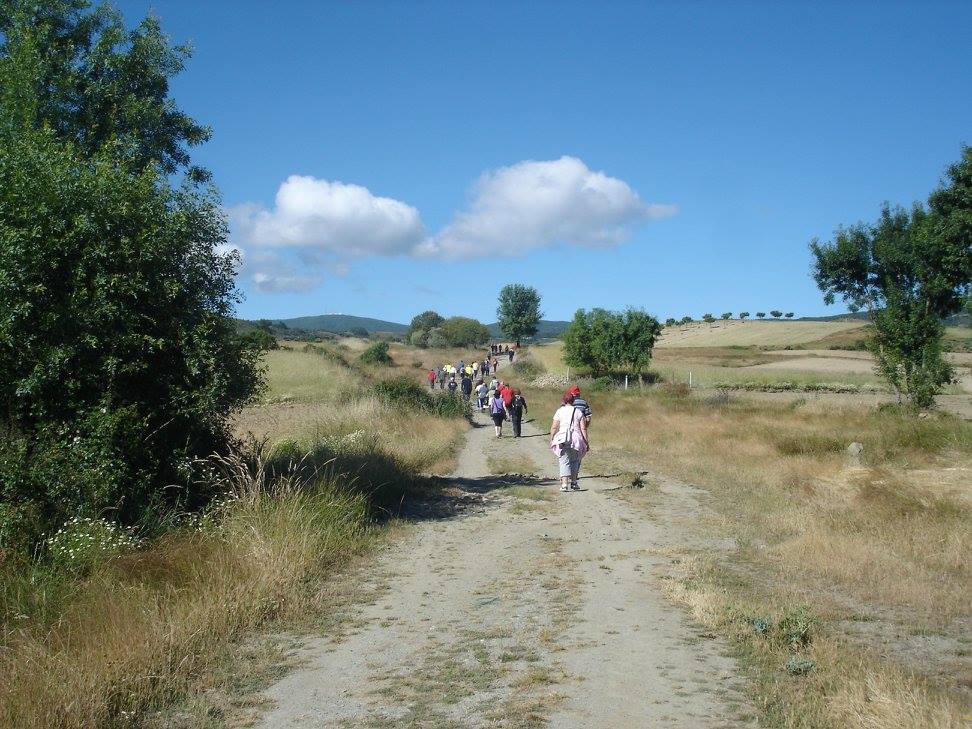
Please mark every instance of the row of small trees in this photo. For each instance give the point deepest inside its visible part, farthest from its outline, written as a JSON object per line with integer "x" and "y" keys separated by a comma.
{"x": 743, "y": 315}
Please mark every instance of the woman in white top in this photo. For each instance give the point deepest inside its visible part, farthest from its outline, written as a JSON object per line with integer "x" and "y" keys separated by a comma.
{"x": 568, "y": 441}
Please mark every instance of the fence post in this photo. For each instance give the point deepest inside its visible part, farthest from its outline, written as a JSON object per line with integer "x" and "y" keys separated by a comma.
{"x": 625, "y": 382}
{"x": 690, "y": 379}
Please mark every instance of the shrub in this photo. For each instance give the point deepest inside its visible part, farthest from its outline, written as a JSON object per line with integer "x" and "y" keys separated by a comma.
{"x": 376, "y": 354}
{"x": 406, "y": 394}
{"x": 526, "y": 367}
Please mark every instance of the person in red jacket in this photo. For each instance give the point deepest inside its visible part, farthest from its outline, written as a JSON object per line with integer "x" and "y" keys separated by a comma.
{"x": 506, "y": 393}
{"x": 431, "y": 378}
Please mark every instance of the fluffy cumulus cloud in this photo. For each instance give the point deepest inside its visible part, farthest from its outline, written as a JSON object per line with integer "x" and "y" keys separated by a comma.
{"x": 336, "y": 217}
{"x": 319, "y": 225}
{"x": 537, "y": 204}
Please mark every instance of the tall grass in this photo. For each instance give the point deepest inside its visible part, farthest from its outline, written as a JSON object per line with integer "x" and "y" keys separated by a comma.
{"x": 140, "y": 629}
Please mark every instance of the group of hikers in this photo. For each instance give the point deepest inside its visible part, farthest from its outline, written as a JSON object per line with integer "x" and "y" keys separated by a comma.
{"x": 568, "y": 429}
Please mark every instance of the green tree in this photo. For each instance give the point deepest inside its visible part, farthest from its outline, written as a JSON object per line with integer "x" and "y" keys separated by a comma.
{"x": 670, "y": 322}
{"x": 760, "y": 314}
{"x": 425, "y": 321}
{"x": 776, "y": 313}
{"x": 437, "y": 339}
{"x": 727, "y": 316}
{"x": 120, "y": 364}
{"x": 461, "y": 331}
{"x": 908, "y": 270}
{"x": 604, "y": 341}
{"x": 789, "y": 315}
{"x": 743, "y": 315}
{"x": 708, "y": 318}
{"x": 518, "y": 312}
{"x": 686, "y": 320}
{"x": 640, "y": 331}
{"x": 376, "y": 354}
{"x": 96, "y": 83}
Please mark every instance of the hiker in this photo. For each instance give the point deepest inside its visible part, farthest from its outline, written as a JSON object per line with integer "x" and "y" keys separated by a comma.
{"x": 431, "y": 378}
{"x": 441, "y": 377}
{"x": 506, "y": 392}
{"x": 511, "y": 355}
{"x": 452, "y": 385}
{"x": 494, "y": 384}
{"x": 568, "y": 441}
{"x": 495, "y": 364}
{"x": 465, "y": 387}
{"x": 486, "y": 367}
{"x": 518, "y": 408}
{"x": 580, "y": 402}
{"x": 497, "y": 411}
{"x": 482, "y": 395}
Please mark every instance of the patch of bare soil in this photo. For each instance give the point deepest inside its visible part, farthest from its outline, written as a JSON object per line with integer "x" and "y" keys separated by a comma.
{"x": 529, "y": 608}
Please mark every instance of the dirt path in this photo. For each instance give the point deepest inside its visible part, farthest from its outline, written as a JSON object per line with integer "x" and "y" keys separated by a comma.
{"x": 539, "y": 609}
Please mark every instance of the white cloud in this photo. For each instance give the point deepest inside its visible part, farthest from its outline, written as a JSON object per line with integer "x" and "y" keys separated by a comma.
{"x": 537, "y": 204}
{"x": 318, "y": 225}
{"x": 347, "y": 220}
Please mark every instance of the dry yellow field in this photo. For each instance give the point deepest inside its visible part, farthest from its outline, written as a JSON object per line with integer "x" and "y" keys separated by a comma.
{"x": 754, "y": 333}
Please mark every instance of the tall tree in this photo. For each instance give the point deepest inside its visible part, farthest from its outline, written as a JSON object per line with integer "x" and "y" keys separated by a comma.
{"x": 909, "y": 270}
{"x": 119, "y": 360}
{"x": 518, "y": 312}
{"x": 94, "y": 82}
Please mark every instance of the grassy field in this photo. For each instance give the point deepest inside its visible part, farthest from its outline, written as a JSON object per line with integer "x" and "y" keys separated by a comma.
{"x": 736, "y": 333}
{"x": 866, "y": 561}
{"x": 118, "y": 638}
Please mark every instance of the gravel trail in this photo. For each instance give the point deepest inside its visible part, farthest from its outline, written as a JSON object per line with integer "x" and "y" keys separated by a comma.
{"x": 534, "y": 608}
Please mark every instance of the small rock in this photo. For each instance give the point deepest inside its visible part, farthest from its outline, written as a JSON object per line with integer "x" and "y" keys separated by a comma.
{"x": 855, "y": 449}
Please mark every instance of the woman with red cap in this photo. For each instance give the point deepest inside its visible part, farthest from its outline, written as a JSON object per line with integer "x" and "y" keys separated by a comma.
{"x": 568, "y": 441}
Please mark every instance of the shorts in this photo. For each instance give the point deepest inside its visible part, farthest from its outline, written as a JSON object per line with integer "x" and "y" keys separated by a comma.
{"x": 498, "y": 419}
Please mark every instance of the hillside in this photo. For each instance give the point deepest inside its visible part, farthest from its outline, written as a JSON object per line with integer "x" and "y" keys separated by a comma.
{"x": 546, "y": 329}
{"x": 339, "y": 323}
{"x": 755, "y": 333}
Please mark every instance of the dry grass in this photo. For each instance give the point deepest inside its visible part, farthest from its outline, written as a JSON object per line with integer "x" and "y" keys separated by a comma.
{"x": 147, "y": 628}
{"x": 156, "y": 626}
{"x": 313, "y": 398}
{"x": 889, "y": 536}
{"x": 759, "y": 333}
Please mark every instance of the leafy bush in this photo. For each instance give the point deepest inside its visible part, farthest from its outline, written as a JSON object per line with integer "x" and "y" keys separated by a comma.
{"x": 406, "y": 394}
{"x": 461, "y": 331}
{"x": 119, "y": 358}
{"x": 526, "y": 367}
{"x": 376, "y": 354}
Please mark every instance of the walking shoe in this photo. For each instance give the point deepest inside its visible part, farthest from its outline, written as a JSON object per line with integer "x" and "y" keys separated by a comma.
{"x": 574, "y": 486}
{"x": 565, "y": 489}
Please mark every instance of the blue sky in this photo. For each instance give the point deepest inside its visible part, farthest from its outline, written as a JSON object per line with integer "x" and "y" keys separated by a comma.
{"x": 380, "y": 159}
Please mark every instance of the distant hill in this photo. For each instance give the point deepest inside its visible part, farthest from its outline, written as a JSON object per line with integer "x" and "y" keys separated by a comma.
{"x": 546, "y": 329}
{"x": 340, "y": 323}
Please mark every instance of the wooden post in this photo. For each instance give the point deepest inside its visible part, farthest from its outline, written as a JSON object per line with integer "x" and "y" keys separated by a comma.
{"x": 690, "y": 379}
{"x": 625, "y": 382}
